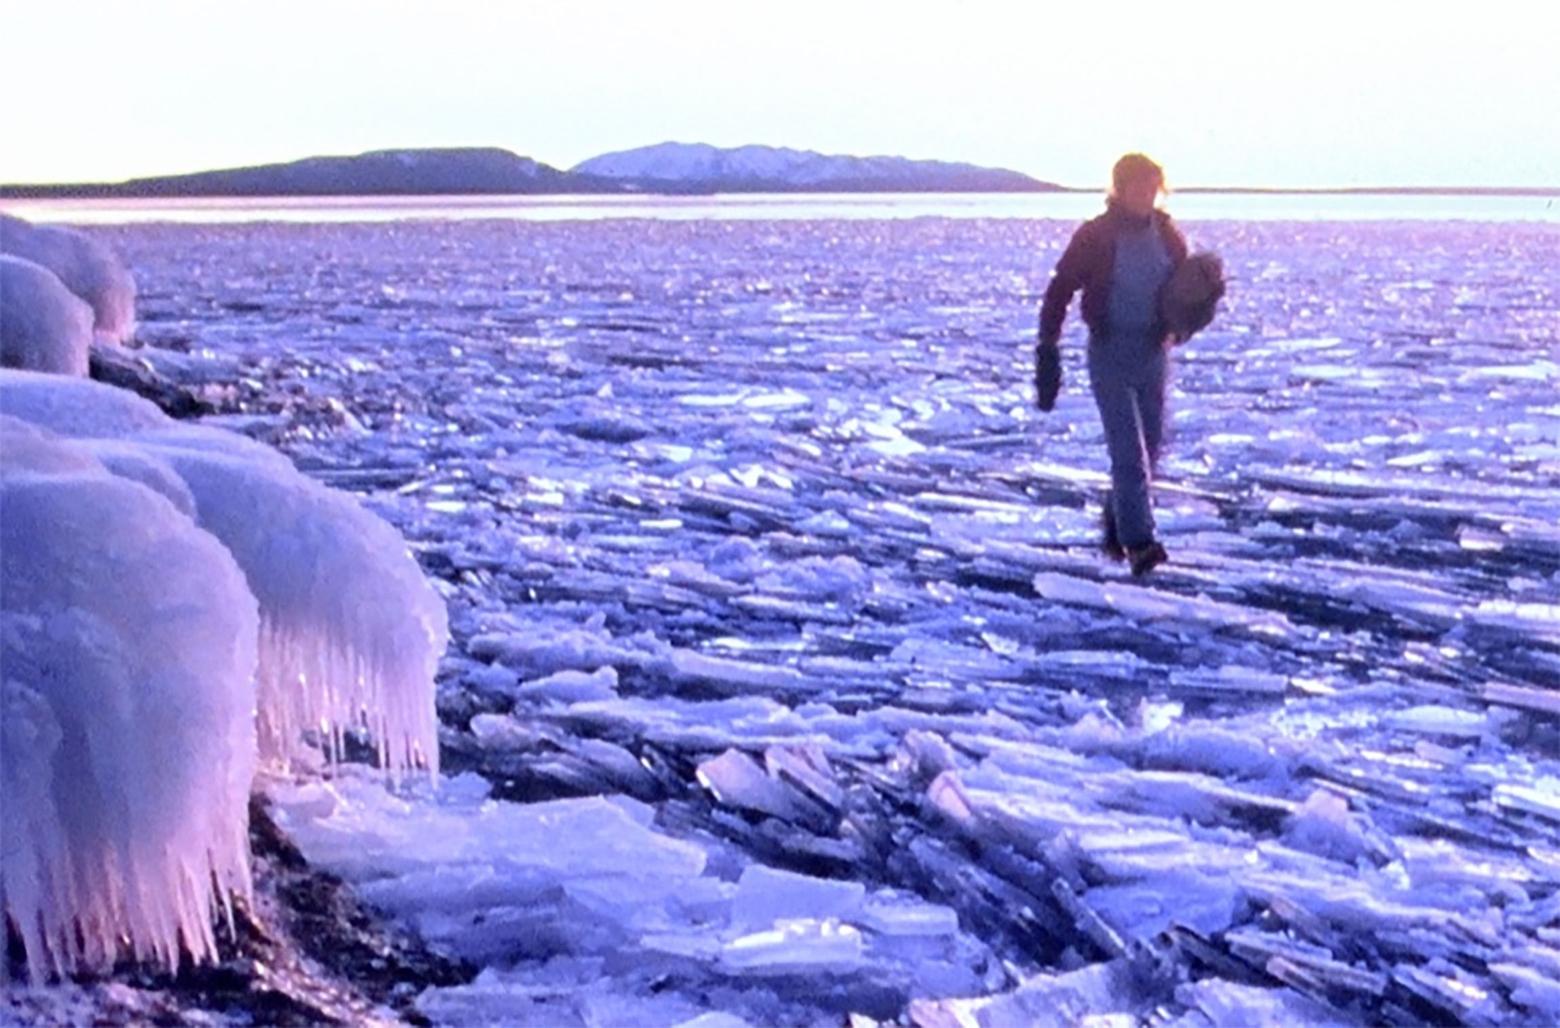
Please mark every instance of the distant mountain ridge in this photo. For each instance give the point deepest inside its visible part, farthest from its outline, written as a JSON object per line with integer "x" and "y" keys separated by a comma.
{"x": 678, "y": 168}
{"x": 699, "y": 167}
{"x": 375, "y": 173}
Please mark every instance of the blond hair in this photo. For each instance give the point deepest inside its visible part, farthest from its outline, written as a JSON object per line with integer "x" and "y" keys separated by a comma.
{"x": 1135, "y": 167}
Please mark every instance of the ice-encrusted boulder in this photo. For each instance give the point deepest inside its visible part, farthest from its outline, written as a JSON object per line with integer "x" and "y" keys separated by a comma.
{"x": 88, "y": 269}
{"x": 78, "y": 407}
{"x": 43, "y": 325}
{"x": 83, "y": 409}
{"x": 350, "y": 631}
{"x": 127, "y": 742}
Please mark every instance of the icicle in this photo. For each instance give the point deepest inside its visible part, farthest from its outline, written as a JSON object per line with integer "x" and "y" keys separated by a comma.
{"x": 351, "y": 632}
{"x": 128, "y": 741}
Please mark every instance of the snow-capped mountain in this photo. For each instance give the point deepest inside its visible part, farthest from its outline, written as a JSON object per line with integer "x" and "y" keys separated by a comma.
{"x": 699, "y": 167}
{"x": 664, "y": 168}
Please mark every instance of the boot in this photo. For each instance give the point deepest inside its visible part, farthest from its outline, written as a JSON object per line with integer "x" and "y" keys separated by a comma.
{"x": 1146, "y": 558}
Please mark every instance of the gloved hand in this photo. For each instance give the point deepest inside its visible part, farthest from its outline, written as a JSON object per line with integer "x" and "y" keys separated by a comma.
{"x": 1048, "y": 374}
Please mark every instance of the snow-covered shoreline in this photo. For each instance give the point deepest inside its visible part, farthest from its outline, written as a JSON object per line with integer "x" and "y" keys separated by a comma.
{"x": 783, "y": 481}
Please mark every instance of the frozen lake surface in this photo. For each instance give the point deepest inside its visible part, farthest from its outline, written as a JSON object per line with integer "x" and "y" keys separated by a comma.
{"x": 1536, "y": 206}
{"x": 788, "y": 683}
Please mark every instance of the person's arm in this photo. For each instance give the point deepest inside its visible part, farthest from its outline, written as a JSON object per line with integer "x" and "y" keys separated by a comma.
{"x": 1066, "y": 280}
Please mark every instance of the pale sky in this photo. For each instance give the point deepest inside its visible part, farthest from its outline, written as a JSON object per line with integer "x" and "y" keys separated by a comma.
{"x": 1324, "y": 93}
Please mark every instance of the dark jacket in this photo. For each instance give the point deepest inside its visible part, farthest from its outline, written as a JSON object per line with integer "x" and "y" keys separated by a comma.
{"x": 1088, "y": 263}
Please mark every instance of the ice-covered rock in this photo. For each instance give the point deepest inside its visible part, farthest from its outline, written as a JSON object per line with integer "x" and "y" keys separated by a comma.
{"x": 350, "y": 631}
{"x": 43, "y": 325}
{"x": 33, "y": 450}
{"x": 128, "y": 736}
{"x": 78, "y": 408}
{"x": 130, "y": 461}
{"x": 88, "y": 269}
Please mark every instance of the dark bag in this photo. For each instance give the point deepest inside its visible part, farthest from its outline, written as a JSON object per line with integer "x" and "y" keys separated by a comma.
{"x": 1191, "y": 297}
{"x": 1048, "y": 374}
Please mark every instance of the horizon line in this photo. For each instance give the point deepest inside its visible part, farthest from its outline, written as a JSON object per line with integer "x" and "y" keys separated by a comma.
{"x": 11, "y": 188}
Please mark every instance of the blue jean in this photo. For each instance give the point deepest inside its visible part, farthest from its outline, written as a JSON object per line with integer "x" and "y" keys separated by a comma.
{"x": 1128, "y": 374}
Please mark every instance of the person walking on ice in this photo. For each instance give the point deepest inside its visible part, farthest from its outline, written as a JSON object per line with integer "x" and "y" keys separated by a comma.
{"x": 1122, "y": 260}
